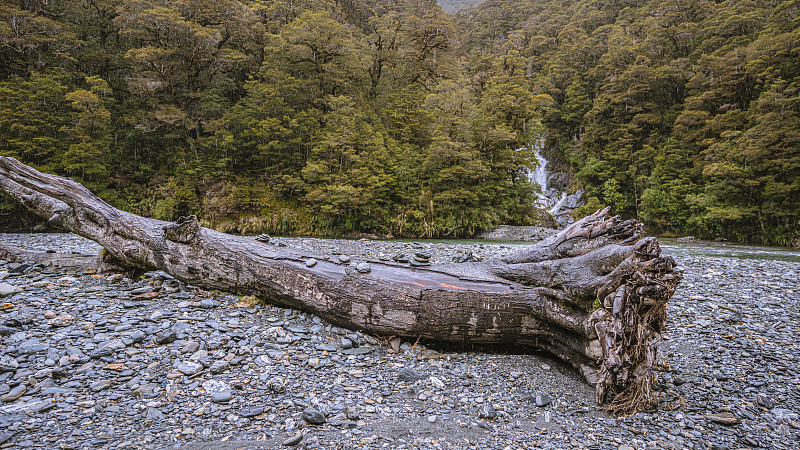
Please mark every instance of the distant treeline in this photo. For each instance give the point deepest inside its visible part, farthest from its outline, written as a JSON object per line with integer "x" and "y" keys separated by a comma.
{"x": 331, "y": 117}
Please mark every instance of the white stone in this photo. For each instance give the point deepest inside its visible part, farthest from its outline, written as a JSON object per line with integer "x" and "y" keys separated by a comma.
{"x": 215, "y": 386}
{"x": 7, "y": 289}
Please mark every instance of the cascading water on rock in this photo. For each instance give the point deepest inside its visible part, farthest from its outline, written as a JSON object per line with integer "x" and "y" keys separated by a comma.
{"x": 558, "y": 203}
{"x": 550, "y": 199}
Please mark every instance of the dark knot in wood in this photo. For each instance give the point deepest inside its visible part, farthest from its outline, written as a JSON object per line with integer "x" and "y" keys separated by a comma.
{"x": 186, "y": 230}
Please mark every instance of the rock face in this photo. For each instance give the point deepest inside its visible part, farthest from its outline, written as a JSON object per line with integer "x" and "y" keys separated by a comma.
{"x": 567, "y": 203}
{"x": 557, "y": 207}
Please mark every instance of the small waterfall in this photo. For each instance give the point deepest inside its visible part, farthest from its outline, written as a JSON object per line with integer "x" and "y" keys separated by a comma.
{"x": 539, "y": 177}
{"x": 555, "y": 201}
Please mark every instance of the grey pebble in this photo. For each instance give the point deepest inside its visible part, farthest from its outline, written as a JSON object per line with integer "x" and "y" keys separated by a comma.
{"x": 221, "y": 396}
{"x": 8, "y": 364}
{"x": 252, "y": 411}
{"x": 166, "y": 337}
{"x": 357, "y": 351}
{"x": 14, "y": 393}
{"x": 543, "y": 400}
{"x": 101, "y": 352}
{"x": 313, "y": 416}
{"x": 154, "y": 414}
{"x": 138, "y": 336}
{"x": 218, "y": 366}
{"x": 190, "y": 368}
{"x": 487, "y": 411}
{"x": 100, "y": 385}
{"x": 5, "y": 436}
{"x": 294, "y": 440}
{"x": 409, "y": 375}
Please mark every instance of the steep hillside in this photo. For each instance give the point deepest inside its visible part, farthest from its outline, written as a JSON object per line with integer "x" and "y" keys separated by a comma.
{"x": 685, "y": 114}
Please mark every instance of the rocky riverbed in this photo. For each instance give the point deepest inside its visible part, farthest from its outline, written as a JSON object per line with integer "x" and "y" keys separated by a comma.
{"x": 102, "y": 361}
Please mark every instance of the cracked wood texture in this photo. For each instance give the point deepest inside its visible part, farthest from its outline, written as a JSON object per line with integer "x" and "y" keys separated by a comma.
{"x": 594, "y": 295}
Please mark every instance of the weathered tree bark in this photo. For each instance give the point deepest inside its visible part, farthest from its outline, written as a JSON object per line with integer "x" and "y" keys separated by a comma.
{"x": 594, "y": 295}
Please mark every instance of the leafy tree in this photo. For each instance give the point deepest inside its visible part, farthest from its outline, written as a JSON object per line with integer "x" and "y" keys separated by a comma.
{"x": 33, "y": 39}
{"x": 317, "y": 47}
{"x": 87, "y": 158}
{"x": 612, "y": 196}
{"x": 346, "y": 178}
{"x": 32, "y": 114}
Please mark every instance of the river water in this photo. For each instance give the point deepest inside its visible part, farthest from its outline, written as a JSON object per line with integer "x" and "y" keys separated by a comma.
{"x": 728, "y": 250}
{"x": 670, "y": 246}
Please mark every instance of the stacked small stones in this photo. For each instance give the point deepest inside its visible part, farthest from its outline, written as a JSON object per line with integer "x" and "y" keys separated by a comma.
{"x": 100, "y": 361}
{"x": 421, "y": 259}
{"x": 418, "y": 258}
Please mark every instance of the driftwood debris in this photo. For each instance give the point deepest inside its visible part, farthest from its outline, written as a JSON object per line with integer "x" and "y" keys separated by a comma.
{"x": 594, "y": 295}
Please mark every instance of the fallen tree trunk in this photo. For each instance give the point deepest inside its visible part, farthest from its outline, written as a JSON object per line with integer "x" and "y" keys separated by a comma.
{"x": 594, "y": 295}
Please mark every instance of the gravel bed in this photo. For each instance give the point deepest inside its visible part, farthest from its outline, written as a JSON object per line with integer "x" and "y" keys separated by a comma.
{"x": 101, "y": 361}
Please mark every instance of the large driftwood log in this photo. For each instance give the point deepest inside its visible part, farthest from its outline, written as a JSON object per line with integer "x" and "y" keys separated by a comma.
{"x": 594, "y": 295}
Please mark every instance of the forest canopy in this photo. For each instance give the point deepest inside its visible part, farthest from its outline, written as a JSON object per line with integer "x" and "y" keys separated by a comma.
{"x": 392, "y": 117}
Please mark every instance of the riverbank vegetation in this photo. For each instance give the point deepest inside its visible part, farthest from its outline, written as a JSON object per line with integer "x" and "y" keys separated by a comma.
{"x": 332, "y": 117}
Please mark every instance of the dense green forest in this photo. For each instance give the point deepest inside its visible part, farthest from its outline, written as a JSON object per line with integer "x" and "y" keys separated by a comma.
{"x": 392, "y": 117}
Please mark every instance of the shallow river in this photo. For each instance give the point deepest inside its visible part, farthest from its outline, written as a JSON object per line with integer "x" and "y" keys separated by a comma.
{"x": 671, "y": 246}
{"x": 726, "y": 250}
